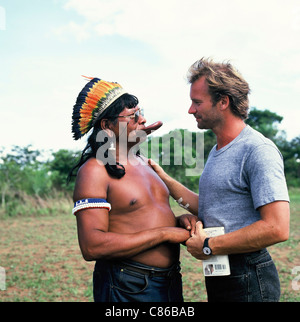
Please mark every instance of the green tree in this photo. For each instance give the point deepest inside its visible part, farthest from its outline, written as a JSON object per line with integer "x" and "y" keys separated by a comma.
{"x": 209, "y": 141}
{"x": 291, "y": 155}
{"x": 265, "y": 122}
{"x": 60, "y": 167}
{"x": 175, "y": 152}
{"x": 22, "y": 171}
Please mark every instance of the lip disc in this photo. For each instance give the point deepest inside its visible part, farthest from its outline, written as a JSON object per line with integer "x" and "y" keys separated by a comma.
{"x": 153, "y": 127}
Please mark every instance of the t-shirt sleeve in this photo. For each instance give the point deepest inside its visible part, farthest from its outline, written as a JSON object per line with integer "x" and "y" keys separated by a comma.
{"x": 265, "y": 172}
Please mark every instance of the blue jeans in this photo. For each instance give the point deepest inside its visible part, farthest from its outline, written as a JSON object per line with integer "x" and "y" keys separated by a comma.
{"x": 253, "y": 278}
{"x": 129, "y": 281}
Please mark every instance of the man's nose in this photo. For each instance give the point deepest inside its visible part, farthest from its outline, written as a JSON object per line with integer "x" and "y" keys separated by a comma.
{"x": 192, "y": 109}
{"x": 142, "y": 119}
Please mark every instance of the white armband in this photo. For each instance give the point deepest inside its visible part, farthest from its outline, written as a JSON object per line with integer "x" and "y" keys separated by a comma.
{"x": 179, "y": 201}
{"x": 90, "y": 203}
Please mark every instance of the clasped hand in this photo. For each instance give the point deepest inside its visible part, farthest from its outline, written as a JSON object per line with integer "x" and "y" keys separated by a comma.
{"x": 195, "y": 243}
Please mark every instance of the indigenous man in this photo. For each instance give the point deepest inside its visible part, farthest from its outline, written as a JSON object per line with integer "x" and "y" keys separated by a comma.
{"x": 124, "y": 219}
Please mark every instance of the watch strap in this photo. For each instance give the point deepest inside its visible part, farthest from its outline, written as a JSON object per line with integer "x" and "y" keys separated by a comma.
{"x": 205, "y": 245}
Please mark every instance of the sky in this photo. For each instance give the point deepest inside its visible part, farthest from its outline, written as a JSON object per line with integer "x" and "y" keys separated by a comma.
{"x": 147, "y": 47}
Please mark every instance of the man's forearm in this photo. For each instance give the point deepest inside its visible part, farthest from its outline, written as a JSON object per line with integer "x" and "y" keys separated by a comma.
{"x": 111, "y": 245}
{"x": 182, "y": 194}
{"x": 248, "y": 239}
{"x": 271, "y": 229}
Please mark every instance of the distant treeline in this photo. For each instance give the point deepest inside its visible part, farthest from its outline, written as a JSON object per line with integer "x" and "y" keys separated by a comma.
{"x": 30, "y": 182}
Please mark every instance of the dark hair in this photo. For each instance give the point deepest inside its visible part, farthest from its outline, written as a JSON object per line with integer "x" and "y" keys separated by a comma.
{"x": 115, "y": 170}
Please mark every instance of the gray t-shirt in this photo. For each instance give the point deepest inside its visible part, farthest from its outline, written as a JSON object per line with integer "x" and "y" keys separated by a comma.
{"x": 244, "y": 175}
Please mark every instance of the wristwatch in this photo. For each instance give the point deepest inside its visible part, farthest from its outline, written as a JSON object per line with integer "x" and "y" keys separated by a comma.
{"x": 206, "y": 249}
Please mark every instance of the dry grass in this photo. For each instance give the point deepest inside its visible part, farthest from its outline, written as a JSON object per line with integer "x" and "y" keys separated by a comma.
{"x": 43, "y": 262}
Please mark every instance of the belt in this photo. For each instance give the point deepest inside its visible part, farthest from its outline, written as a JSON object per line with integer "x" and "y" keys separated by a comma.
{"x": 151, "y": 271}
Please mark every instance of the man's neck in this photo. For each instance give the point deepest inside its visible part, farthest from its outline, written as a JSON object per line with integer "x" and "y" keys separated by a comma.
{"x": 228, "y": 132}
{"x": 125, "y": 155}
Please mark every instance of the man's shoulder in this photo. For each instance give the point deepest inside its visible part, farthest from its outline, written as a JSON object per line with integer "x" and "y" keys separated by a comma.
{"x": 260, "y": 151}
{"x": 92, "y": 167}
{"x": 253, "y": 139}
{"x": 250, "y": 145}
{"x": 92, "y": 180}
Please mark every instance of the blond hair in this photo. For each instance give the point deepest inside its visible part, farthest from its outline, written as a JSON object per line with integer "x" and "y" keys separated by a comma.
{"x": 223, "y": 80}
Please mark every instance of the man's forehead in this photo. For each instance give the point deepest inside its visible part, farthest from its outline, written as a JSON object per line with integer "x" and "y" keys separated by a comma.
{"x": 199, "y": 87}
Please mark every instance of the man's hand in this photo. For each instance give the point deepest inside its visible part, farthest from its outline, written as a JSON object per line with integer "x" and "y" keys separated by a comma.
{"x": 157, "y": 168}
{"x": 176, "y": 235}
{"x": 195, "y": 243}
{"x": 188, "y": 222}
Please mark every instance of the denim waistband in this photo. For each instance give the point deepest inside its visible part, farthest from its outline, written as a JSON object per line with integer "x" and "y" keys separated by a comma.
{"x": 249, "y": 257}
{"x": 240, "y": 262}
{"x": 139, "y": 267}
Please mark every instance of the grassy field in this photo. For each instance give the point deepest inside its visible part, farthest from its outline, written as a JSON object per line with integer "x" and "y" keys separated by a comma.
{"x": 43, "y": 262}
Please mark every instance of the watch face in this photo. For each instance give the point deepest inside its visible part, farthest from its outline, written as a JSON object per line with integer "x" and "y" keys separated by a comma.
{"x": 206, "y": 251}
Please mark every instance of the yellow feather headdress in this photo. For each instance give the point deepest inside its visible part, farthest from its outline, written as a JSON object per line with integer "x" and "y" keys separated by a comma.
{"x": 91, "y": 102}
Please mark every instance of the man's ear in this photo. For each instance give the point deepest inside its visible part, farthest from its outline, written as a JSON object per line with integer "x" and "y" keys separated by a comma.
{"x": 106, "y": 126}
{"x": 224, "y": 102}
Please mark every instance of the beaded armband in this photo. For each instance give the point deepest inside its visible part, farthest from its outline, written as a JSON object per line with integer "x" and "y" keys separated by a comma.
{"x": 90, "y": 203}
